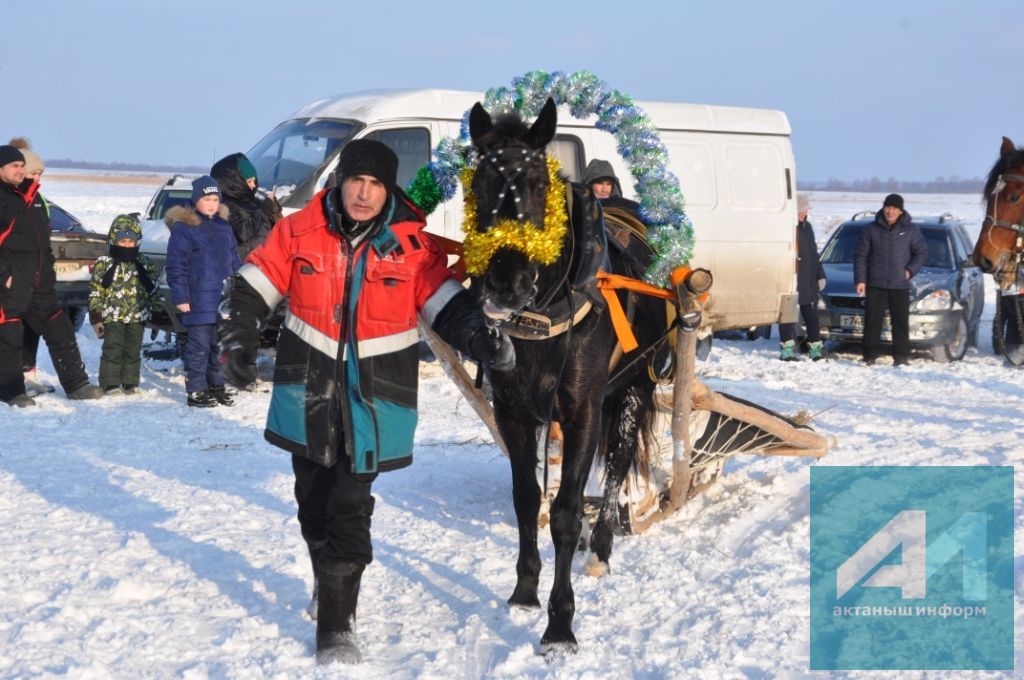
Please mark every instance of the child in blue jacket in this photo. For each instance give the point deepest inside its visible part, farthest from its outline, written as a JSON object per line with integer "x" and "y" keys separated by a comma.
{"x": 201, "y": 254}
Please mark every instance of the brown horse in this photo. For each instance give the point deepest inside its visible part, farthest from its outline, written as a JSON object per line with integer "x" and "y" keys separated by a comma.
{"x": 1001, "y": 240}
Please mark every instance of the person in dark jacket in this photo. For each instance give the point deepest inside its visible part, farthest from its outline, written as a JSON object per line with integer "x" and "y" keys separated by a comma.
{"x": 810, "y": 278}
{"x": 201, "y": 255}
{"x": 251, "y": 215}
{"x": 28, "y": 288}
{"x": 891, "y": 251}
{"x": 600, "y": 177}
{"x": 34, "y": 169}
{"x": 358, "y": 269}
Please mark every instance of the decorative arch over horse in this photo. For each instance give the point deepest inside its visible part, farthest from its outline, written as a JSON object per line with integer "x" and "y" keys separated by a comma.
{"x": 528, "y": 260}
{"x": 1001, "y": 240}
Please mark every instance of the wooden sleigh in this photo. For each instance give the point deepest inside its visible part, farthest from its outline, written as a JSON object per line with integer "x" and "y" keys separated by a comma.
{"x": 698, "y": 429}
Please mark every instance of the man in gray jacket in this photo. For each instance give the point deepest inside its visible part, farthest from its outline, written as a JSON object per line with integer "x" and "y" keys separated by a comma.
{"x": 891, "y": 251}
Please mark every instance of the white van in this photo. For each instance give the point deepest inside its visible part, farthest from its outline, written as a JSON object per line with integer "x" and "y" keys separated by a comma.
{"x": 735, "y": 167}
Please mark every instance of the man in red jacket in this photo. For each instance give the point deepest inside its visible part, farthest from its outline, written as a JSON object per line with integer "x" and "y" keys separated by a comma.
{"x": 28, "y": 288}
{"x": 358, "y": 269}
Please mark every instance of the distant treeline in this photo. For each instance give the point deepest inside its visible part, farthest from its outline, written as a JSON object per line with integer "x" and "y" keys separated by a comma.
{"x": 939, "y": 185}
{"x": 123, "y": 167}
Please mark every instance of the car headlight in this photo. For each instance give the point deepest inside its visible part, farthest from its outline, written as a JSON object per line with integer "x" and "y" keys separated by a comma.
{"x": 935, "y": 301}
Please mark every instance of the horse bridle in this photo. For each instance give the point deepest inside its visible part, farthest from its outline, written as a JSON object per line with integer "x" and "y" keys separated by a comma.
{"x": 1013, "y": 258}
{"x": 511, "y": 169}
{"x": 511, "y": 164}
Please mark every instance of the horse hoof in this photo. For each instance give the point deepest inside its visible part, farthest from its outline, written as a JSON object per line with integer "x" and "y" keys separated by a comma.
{"x": 595, "y": 567}
{"x": 523, "y": 602}
{"x": 553, "y": 651}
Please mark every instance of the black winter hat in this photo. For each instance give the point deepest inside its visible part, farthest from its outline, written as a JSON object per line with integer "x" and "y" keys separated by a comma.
{"x": 895, "y": 200}
{"x": 10, "y": 154}
{"x": 368, "y": 157}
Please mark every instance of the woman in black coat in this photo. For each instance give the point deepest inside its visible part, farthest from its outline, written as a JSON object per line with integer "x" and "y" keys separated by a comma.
{"x": 810, "y": 278}
{"x": 251, "y": 215}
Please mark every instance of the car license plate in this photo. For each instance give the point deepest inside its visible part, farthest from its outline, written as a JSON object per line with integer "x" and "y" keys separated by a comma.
{"x": 65, "y": 268}
{"x": 852, "y": 321}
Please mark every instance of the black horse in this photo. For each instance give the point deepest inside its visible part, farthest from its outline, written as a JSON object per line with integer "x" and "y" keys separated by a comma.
{"x": 603, "y": 398}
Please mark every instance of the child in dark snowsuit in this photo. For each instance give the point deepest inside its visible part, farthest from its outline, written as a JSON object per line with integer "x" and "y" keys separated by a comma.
{"x": 201, "y": 254}
{"x": 121, "y": 298}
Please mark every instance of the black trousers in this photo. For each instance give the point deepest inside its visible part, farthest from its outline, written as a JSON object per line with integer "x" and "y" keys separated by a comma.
{"x": 32, "y": 301}
{"x": 897, "y": 301}
{"x": 787, "y": 331}
{"x": 121, "y": 359}
{"x": 335, "y": 506}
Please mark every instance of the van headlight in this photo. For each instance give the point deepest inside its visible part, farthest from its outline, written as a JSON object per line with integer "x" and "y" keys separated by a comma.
{"x": 935, "y": 301}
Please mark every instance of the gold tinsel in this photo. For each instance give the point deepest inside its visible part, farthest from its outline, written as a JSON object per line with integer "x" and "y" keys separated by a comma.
{"x": 541, "y": 245}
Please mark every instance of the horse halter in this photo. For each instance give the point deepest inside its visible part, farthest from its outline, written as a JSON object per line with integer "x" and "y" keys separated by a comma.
{"x": 511, "y": 164}
{"x": 993, "y": 218}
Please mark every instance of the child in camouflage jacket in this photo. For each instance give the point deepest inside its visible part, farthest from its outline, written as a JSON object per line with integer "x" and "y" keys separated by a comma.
{"x": 121, "y": 297}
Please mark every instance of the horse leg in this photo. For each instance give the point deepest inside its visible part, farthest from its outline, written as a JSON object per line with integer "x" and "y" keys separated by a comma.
{"x": 566, "y": 522}
{"x": 522, "y": 445}
{"x": 624, "y": 424}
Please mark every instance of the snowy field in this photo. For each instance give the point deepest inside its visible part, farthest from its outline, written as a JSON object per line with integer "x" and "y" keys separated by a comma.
{"x": 141, "y": 539}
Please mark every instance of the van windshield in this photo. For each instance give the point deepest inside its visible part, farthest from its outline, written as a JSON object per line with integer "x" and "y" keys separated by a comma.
{"x": 289, "y": 155}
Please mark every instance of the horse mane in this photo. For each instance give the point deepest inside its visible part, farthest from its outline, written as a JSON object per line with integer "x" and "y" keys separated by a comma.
{"x": 506, "y": 126}
{"x": 1011, "y": 160}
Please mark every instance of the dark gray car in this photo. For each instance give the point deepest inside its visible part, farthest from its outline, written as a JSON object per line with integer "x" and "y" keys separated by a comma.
{"x": 946, "y": 296}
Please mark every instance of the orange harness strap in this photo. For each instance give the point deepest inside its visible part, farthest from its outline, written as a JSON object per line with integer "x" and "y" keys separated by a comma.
{"x": 608, "y": 284}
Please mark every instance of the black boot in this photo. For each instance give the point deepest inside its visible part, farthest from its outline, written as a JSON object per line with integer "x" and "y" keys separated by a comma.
{"x": 202, "y": 399}
{"x": 221, "y": 395}
{"x": 336, "y": 612}
{"x": 315, "y": 547}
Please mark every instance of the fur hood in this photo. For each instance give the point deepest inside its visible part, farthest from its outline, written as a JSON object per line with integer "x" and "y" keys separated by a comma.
{"x": 189, "y": 216}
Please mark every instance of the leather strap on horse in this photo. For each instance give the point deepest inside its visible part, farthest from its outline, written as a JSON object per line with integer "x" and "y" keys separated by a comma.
{"x": 608, "y": 284}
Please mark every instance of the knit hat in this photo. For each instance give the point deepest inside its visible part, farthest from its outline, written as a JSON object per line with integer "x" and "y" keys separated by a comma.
{"x": 368, "y": 157}
{"x": 204, "y": 186}
{"x": 125, "y": 226}
{"x": 9, "y": 154}
{"x": 803, "y": 204}
{"x": 245, "y": 167}
{"x": 33, "y": 163}
{"x": 895, "y": 200}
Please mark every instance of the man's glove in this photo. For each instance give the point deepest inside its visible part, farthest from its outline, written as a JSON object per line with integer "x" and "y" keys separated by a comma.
{"x": 238, "y": 361}
{"x": 493, "y": 349}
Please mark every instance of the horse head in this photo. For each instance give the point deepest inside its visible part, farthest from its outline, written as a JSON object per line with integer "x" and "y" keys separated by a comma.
{"x": 511, "y": 242}
{"x": 1001, "y": 239}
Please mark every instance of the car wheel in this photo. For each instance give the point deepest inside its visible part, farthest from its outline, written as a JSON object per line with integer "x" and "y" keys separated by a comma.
{"x": 957, "y": 348}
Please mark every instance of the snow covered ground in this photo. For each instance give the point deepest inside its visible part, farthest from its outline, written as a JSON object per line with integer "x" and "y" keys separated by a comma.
{"x": 143, "y": 539}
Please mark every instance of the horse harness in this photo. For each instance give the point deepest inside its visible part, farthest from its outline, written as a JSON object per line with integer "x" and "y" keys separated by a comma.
{"x": 993, "y": 220}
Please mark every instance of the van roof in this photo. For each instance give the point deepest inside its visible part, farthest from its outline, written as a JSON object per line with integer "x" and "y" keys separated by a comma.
{"x": 371, "y": 105}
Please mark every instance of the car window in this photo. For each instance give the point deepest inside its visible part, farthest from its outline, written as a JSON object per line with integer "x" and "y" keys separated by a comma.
{"x": 62, "y": 220}
{"x": 411, "y": 145}
{"x": 167, "y": 200}
{"x": 287, "y": 156}
{"x": 939, "y": 254}
{"x": 841, "y": 248}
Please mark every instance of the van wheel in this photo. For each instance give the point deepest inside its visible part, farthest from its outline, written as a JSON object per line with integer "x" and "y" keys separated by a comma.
{"x": 957, "y": 348}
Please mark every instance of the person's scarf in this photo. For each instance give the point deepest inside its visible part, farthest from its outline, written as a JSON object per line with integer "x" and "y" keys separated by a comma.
{"x": 123, "y": 254}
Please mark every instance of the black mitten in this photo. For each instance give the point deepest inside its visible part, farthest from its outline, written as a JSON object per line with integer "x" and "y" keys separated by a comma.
{"x": 492, "y": 349}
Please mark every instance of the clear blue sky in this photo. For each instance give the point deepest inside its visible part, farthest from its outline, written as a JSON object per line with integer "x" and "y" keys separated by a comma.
{"x": 913, "y": 90}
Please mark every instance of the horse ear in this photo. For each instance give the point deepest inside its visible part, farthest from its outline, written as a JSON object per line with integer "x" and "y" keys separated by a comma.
{"x": 479, "y": 122}
{"x": 1007, "y": 148}
{"x": 543, "y": 129}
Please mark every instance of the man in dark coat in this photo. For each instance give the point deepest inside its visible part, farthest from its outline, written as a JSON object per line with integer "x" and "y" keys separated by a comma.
{"x": 810, "y": 278}
{"x": 600, "y": 177}
{"x": 357, "y": 269}
{"x": 28, "y": 288}
{"x": 891, "y": 251}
